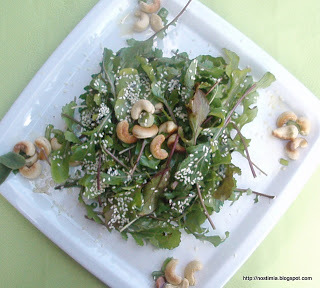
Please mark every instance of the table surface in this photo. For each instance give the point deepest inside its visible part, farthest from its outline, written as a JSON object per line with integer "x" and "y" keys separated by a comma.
{"x": 288, "y": 30}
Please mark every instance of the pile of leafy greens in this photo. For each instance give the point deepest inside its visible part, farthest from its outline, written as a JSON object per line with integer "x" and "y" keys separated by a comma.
{"x": 128, "y": 189}
{"x": 122, "y": 185}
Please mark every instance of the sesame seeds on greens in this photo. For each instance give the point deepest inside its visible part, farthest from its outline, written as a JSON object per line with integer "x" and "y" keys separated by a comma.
{"x": 158, "y": 199}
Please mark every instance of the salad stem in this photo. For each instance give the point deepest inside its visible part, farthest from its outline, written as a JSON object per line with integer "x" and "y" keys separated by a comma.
{"x": 139, "y": 157}
{"x": 172, "y": 22}
{"x": 128, "y": 225}
{"x": 72, "y": 119}
{"x": 114, "y": 157}
{"x": 228, "y": 118}
{"x": 127, "y": 149}
{"x": 245, "y": 149}
{"x": 211, "y": 89}
{"x": 257, "y": 193}
{"x": 204, "y": 207}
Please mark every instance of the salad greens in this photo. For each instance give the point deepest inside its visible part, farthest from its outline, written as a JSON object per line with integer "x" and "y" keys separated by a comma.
{"x": 123, "y": 186}
{"x": 159, "y": 198}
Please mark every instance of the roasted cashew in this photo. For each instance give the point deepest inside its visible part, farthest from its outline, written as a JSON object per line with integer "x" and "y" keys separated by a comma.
{"x": 142, "y": 23}
{"x": 150, "y": 8}
{"x": 123, "y": 133}
{"x": 31, "y": 160}
{"x": 168, "y": 127}
{"x": 55, "y": 145}
{"x": 285, "y": 117}
{"x": 156, "y": 22}
{"x": 305, "y": 125}
{"x": 289, "y": 132}
{"x": 293, "y": 155}
{"x": 192, "y": 267}
{"x": 170, "y": 272}
{"x": 143, "y": 132}
{"x": 146, "y": 119}
{"x": 183, "y": 284}
{"x": 139, "y": 106}
{"x": 31, "y": 172}
{"x": 155, "y": 147}
{"x": 171, "y": 141}
{"x": 158, "y": 108}
{"x": 26, "y": 147}
{"x": 296, "y": 143}
{"x": 45, "y": 147}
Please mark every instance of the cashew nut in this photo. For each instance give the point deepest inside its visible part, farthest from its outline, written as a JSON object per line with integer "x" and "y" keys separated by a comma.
{"x": 190, "y": 269}
{"x": 171, "y": 141}
{"x": 144, "y": 132}
{"x": 168, "y": 127}
{"x": 139, "y": 106}
{"x": 156, "y": 22}
{"x": 31, "y": 160}
{"x": 158, "y": 108}
{"x": 293, "y": 155}
{"x": 305, "y": 125}
{"x": 31, "y": 172}
{"x": 142, "y": 23}
{"x": 285, "y": 117}
{"x": 289, "y": 132}
{"x": 45, "y": 147}
{"x": 296, "y": 143}
{"x": 55, "y": 145}
{"x": 146, "y": 119}
{"x": 170, "y": 272}
{"x": 123, "y": 133}
{"x": 183, "y": 284}
{"x": 155, "y": 147}
{"x": 150, "y": 8}
{"x": 26, "y": 147}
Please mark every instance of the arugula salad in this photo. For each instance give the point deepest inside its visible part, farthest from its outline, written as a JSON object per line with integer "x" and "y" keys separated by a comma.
{"x": 155, "y": 185}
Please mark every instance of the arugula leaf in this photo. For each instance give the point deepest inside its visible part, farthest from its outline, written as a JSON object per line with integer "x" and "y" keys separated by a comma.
{"x": 199, "y": 109}
{"x": 68, "y": 110}
{"x": 91, "y": 214}
{"x": 12, "y": 160}
{"x": 152, "y": 191}
{"x": 215, "y": 240}
{"x": 4, "y": 173}
{"x": 71, "y": 137}
{"x": 60, "y": 164}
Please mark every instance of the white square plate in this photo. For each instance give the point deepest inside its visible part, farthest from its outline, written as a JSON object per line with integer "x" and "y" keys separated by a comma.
{"x": 121, "y": 263}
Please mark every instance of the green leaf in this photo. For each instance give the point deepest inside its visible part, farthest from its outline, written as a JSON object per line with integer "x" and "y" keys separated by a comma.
{"x": 97, "y": 83}
{"x": 224, "y": 191}
{"x": 68, "y": 110}
{"x": 190, "y": 76}
{"x": 163, "y": 13}
{"x": 199, "y": 109}
{"x": 107, "y": 66}
{"x": 152, "y": 191}
{"x": 71, "y": 137}
{"x": 60, "y": 164}
{"x": 91, "y": 214}
{"x": 195, "y": 219}
{"x": 194, "y": 167}
{"x": 214, "y": 240}
{"x": 4, "y": 173}
{"x": 12, "y": 160}
{"x": 233, "y": 61}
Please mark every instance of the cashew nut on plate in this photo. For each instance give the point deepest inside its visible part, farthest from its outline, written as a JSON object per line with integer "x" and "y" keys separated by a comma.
{"x": 189, "y": 271}
{"x": 45, "y": 147}
{"x": 285, "y": 117}
{"x": 170, "y": 272}
{"x": 305, "y": 125}
{"x": 55, "y": 145}
{"x": 171, "y": 141}
{"x": 156, "y": 22}
{"x": 289, "y": 132}
{"x": 142, "y": 23}
{"x": 144, "y": 132}
{"x": 168, "y": 127}
{"x": 291, "y": 147}
{"x": 31, "y": 160}
{"x": 123, "y": 134}
{"x": 155, "y": 147}
{"x": 31, "y": 172}
{"x": 150, "y": 8}
{"x": 158, "y": 108}
{"x": 139, "y": 106}
{"x": 26, "y": 147}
